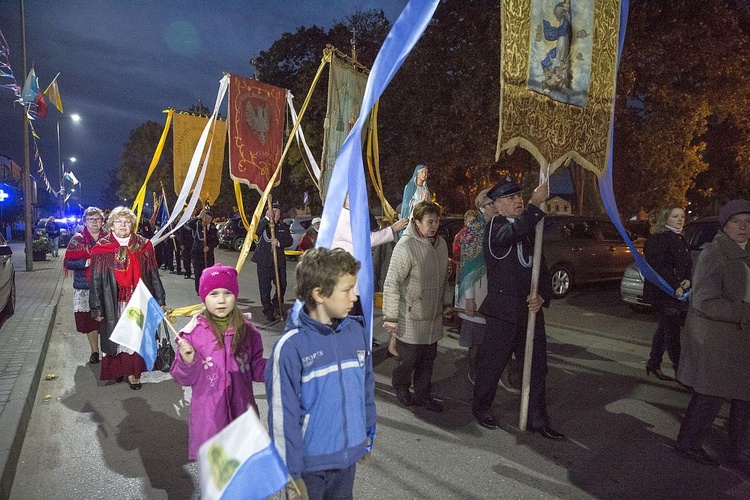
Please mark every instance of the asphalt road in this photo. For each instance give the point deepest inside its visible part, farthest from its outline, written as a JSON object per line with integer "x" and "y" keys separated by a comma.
{"x": 88, "y": 440}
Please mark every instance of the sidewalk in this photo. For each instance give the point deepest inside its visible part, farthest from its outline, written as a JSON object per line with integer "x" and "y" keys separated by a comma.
{"x": 24, "y": 338}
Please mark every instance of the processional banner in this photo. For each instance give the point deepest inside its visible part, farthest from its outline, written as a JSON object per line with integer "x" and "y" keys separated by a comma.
{"x": 256, "y": 129}
{"x": 187, "y": 131}
{"x": 346, "y": 88}
{"x": 558, "y": 76}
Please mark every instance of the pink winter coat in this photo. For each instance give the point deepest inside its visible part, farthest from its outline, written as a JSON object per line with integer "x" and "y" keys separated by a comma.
{"x": 222, "y": 383}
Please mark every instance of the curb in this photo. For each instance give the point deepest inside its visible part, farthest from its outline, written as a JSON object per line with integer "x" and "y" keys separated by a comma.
{"x": 598, "y": 333}
{"x": 15, "y": 417}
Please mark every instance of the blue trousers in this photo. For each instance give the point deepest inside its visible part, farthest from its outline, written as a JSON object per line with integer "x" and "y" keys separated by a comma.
{"x": 330, "y": 484}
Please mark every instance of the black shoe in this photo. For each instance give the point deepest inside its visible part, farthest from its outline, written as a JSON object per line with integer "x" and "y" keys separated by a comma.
{"x": 548, "y": 432}
{"x": 136, "y": 387}
{"x": 487, "y": 421}
{"x": 94, "y": 358}
{"x": 431, "y": 404}
{"x": 404, "y": 397}
{"x": 187, "y": 277}
{"x": 698, "y": 454}
{"x": 271, "y": 318}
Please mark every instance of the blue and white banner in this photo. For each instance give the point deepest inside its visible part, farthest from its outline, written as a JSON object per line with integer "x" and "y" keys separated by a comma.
{"x": 240, "y": 462}
{"x": 136, "y": 328}
{"x": 348, "y": 172}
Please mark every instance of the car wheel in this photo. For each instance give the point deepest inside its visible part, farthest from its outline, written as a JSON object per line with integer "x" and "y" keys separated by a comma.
{"x": 238, "y": 242}
{"x": 562, "y": 281}
{"x": 10, "y": 306}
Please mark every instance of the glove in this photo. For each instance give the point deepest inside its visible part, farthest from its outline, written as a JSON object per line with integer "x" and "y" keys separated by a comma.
{"x": 296, "y": 490}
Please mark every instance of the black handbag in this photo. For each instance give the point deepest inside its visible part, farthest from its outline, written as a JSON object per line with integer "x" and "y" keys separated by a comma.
{"x": 164, "y": 351}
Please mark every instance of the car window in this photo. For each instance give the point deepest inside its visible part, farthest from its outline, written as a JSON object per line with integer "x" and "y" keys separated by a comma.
{"x": 608, "y": 231}
{"x": 305, "y": 224}
{"x": 580, "y": 230}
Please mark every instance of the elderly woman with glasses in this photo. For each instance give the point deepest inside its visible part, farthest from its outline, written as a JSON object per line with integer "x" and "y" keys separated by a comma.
{"x": 78, "y": 260}
{"x": 715, "y": 359}
{"x": 119, "y": 260}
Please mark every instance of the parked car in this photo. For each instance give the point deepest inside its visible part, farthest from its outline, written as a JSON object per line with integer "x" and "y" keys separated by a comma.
{"x": 62, "y": 225}
{"x": 7, "y": 280}
{"x": 298, "y": 226}
{"x": 698, "y": 234}
{"x": 232, "y": 234}
{"x": 580, "y": 249}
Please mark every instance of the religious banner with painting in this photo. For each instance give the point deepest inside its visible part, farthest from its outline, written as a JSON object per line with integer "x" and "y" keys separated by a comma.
{"x": 256, "y": 131}
{"x": 186, "y": 131}
{"x": 558, "y": 76}
{"x": 346, "y": 88}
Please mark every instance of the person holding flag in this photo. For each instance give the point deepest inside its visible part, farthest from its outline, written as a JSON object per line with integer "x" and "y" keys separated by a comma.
{"x": 119, "y": 261}
{"x": 220, "y": 356}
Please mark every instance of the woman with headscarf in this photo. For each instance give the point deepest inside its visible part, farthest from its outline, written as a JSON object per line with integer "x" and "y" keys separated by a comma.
{"x": 715, "y": 359}
{"x": 118, "y": 261}
{"x": 415, "y": 191}
{"x": 78, "y": 260}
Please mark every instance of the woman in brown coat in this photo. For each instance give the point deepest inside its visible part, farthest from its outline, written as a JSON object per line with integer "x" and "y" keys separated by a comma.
{"x": 715, "y": 359}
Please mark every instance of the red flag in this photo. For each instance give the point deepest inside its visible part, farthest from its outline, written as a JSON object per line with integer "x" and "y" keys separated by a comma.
{"x": 41, "y": 105}
{"x": 256, "y": 131}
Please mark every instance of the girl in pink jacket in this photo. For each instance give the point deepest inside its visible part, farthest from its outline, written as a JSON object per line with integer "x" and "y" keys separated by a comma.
{"x": 220, "y": 356}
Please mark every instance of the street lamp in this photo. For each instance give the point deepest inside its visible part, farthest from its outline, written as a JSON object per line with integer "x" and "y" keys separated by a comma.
{"x": 75, "y": 118}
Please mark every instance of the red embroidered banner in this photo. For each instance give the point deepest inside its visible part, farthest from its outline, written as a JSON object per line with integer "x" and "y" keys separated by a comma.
{"x": 256, "y": 128}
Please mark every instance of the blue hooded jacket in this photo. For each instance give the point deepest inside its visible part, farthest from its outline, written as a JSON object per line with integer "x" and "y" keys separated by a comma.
{"x": 321, "y": 394}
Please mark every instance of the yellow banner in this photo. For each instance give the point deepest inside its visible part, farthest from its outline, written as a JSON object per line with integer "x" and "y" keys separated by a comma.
{"x": 187, "y": 130}
{"x": 558, "y": 75}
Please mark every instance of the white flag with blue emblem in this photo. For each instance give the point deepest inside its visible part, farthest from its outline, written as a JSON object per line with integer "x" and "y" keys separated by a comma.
{"x": 240, "y": 462}
{"x": 136, "y": 328}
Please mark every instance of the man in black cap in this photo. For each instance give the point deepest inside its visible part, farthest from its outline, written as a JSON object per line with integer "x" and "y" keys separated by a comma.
{"x": 508, "y": 252}
{"x": 263, "y": 258}
{"x": 205, "y": 239}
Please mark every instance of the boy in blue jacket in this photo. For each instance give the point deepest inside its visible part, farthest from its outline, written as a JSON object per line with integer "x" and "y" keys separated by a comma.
{"x": 319, "y": 380}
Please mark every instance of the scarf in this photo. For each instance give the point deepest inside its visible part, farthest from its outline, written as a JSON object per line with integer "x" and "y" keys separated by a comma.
{"x": 80, "y": 248}
{"x": 471, "y": 264}
{"x": 128, "y": 262}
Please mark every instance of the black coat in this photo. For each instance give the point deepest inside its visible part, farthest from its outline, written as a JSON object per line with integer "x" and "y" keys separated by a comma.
{"x": 669, "y": 255}
{"x": 263, "y": 255}
{"x": 508, "y": 280}
{"x": 103, "y": 290}
{"x": 209, "y": 239}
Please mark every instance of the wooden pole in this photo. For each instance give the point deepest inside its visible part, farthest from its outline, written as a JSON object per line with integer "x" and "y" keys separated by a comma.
{"x": 531, "y": 323}
{"x": 272, "y": 226}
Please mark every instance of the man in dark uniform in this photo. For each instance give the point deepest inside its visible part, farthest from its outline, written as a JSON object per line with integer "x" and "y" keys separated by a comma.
{"x": 508, "y": 252}
{"x": 205, "y": 239}
{"x": 263, "y": 258}
{"x": 185, "y": 243}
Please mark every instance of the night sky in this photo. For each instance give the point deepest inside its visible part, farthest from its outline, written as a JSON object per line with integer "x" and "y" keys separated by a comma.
{"x": 122, "y": 62}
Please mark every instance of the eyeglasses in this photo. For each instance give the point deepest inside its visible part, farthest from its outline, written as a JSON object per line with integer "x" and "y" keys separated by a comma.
{"x": 122, "y": 222}
{"x": 93, "y": 219}
{"x": 489, "y": 203}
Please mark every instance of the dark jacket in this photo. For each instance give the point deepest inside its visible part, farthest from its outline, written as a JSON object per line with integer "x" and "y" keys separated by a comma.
{"x": 52, "y": 230}
{"x": 210, "y": 239}
{"x": 508, "y": 279}
{"x": 263, "y": 255}
{"x": 669, "y": 255}
{"x": 103, "y": 293}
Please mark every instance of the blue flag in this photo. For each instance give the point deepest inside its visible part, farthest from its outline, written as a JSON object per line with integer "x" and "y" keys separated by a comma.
{"x": 240, "y": 462}
{"x": 136, "y": 328}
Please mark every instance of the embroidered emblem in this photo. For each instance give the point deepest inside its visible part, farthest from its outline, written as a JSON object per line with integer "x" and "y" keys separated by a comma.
{"x": 243, "y": 362}
{"x": 212, "y": 379}
{"x": 361, "y": 354}
{"x": 207, "y": 363}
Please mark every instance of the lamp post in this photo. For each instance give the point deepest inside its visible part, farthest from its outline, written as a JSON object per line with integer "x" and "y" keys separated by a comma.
{"x": 75, "y": 118}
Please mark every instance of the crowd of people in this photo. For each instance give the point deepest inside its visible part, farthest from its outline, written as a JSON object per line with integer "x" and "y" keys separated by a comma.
{"x": 319, "y": 442}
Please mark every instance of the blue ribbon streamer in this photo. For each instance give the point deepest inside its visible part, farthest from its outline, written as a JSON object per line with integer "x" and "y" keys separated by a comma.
{"x": 605, "y": 184}
{"x": 348, "y": 172}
